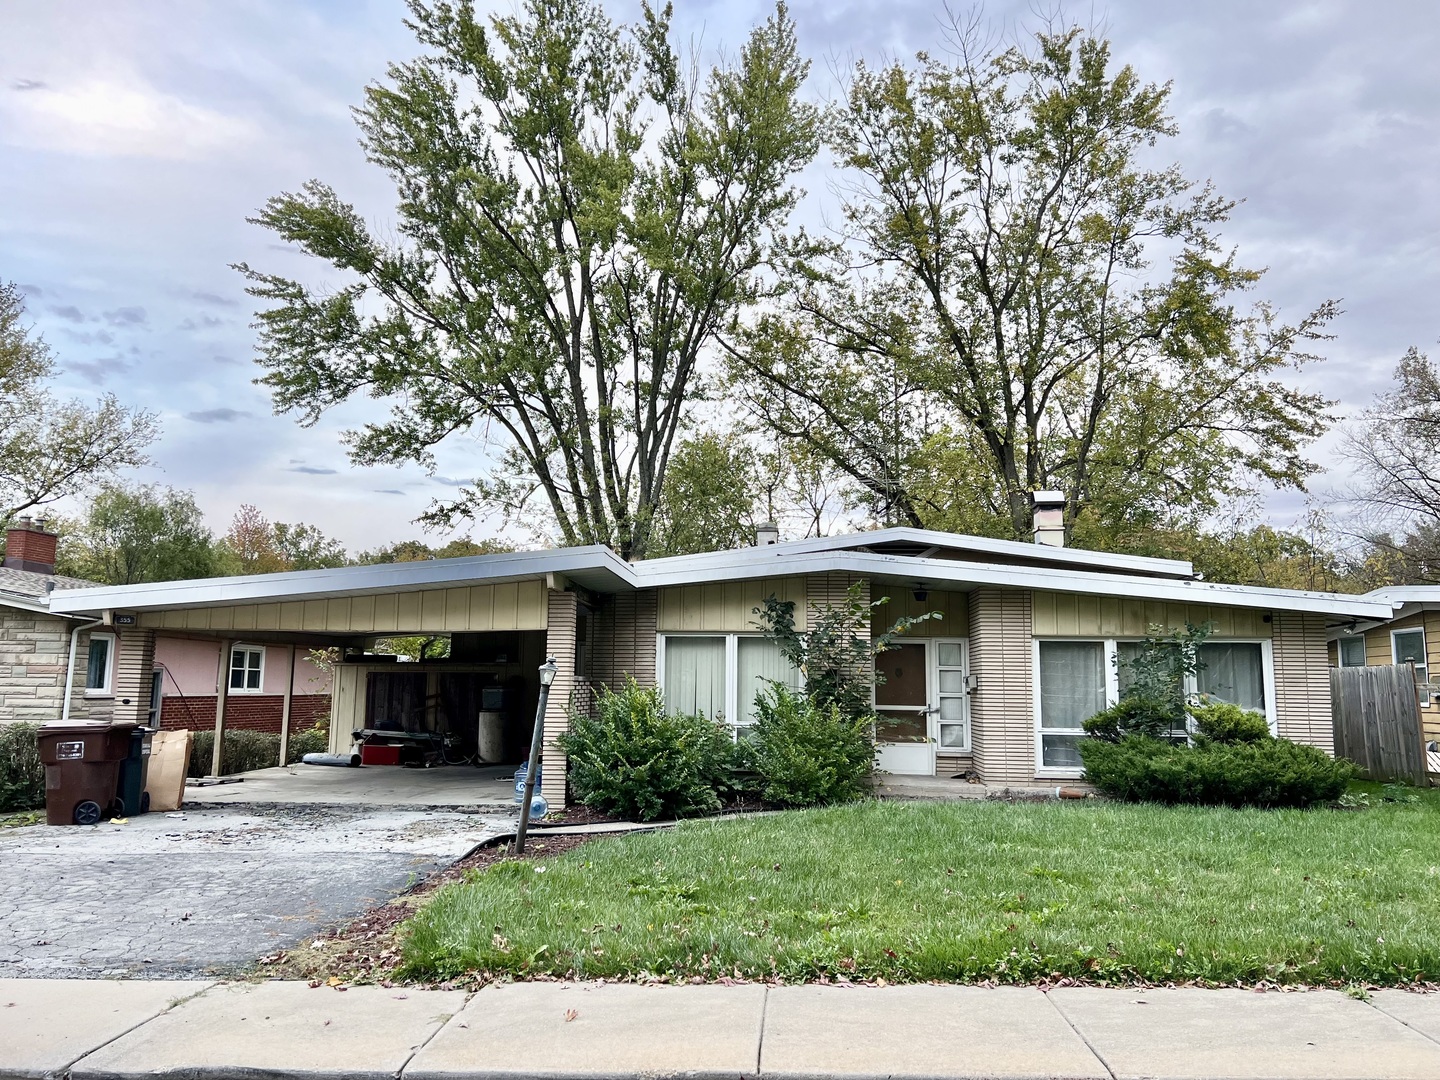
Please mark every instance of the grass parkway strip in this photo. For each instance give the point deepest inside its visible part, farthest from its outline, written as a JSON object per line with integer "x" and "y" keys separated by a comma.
{"x": 964, "y": 892}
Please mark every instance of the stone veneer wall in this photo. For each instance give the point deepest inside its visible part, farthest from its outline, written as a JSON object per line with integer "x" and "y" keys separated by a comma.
{"x": 34, "y": 650}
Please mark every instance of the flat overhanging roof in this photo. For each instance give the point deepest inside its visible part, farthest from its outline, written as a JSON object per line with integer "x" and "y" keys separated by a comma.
{"x": 600, "y": 570}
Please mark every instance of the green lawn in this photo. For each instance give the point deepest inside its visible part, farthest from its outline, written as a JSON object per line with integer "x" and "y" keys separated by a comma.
{"x": 963, "y": 892}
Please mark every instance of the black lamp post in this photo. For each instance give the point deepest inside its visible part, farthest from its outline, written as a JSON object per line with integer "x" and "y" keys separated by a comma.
{"x": 547, "y": 676}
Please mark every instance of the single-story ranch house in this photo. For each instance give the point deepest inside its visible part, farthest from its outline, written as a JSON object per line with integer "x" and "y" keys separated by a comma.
{"x": 1024, "y": 650}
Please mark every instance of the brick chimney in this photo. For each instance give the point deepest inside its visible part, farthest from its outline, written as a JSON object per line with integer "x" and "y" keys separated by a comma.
{"x": 30, "y": 546}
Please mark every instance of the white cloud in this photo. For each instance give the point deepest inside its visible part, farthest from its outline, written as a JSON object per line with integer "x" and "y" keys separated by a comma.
{"x": 119, "y": 116}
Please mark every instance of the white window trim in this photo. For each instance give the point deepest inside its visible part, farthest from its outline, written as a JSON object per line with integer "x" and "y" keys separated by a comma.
{"x": 230, "y": 668}
{"x": 1112, "y": 689}
{"x": 1340, "y": 650}
{"x": 1424, "y": 651}
{"x": 732, "y": 667}
{"x": 108, "y": 690}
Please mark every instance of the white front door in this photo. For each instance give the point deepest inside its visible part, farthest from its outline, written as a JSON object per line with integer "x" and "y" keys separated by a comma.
{"x": 950, "y": 720}
{"x": 902, "y": 700}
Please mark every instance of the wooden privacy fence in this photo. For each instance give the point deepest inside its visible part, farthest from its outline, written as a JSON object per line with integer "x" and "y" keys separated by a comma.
{"x": 1377, "y": 721}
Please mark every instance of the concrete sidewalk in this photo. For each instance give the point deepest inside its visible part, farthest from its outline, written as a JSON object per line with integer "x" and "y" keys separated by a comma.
{"x": 97, "y": 1030}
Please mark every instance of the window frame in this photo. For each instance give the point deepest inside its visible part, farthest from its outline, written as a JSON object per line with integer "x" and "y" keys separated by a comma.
{"x": 1340, "y": 643}
{"x": 241, "y": 646}
{"x": 112, "y": 645}
{"x": 732, "y": 669}
{"x": 1112, "y": 688}
{"x": 1421, "y": 687}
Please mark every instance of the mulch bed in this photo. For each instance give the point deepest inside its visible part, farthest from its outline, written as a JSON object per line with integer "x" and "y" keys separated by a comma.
{"x": 367, "y": 949}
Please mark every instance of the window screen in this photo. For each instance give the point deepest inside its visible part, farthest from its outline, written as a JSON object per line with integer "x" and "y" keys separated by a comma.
{"x": 1233, "y": 672}
{"x": 695, "y": 675}
{"x": 1352, "y": 651}
{"x": 1072, "y": 689}
{"x": 761, "y": 663}
{"x": 97, "y": 665}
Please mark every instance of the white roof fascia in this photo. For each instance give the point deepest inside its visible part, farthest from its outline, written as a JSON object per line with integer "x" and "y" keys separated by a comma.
{"x": 350, "y": 580}
{"x": 1418, "y": 595}
{"x": 937, "y": 572}
{"x": 29, "y": 603}
{"x": 1139, "y": 564}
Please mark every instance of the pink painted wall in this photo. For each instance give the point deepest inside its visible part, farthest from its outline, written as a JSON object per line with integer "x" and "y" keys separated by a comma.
{"x": 191, "y": 668}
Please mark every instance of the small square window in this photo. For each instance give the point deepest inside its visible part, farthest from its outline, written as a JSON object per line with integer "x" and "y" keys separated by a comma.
{"x": 99, "y": 663}
{"x": 247, "y": 668}
{"x": 1352, "y": 651}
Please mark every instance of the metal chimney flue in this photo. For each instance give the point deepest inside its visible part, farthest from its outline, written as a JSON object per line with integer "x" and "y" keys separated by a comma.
{"x": 767, "y": 534}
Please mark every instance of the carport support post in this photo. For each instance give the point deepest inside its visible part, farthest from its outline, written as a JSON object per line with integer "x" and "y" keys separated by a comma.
{"x": 547, "y": 676}
{"x": 222, "y": 691}
{"x": 285, "y": 709}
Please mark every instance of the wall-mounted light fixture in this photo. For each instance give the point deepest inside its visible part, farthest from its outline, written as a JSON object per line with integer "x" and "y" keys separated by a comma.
{"x": 921, "y": 593}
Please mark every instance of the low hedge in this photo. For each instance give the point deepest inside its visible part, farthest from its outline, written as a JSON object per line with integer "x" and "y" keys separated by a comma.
{"x": 1266, "y": 773}
{"x": 634, "y": 760}
{"x": 22, "y": 777}
{"x": 804, "y": 754}
{"x": 246, "y": 751}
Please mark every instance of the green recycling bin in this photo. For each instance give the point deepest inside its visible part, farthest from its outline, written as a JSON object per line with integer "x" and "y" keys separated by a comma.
{"x": 133, "y": 771}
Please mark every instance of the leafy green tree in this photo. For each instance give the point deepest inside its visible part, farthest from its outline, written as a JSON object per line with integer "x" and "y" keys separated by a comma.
{"x": 417, "y": 551}
{"x": 50, "y": 448}
{"x": 710, "y": 498}
{"x": 255, "y": 545}
{"x": 134, "y": 533}
{"x": 1019, "y": 300}
{"x": 579, "y": 216}
{"x": 836, "y": 652}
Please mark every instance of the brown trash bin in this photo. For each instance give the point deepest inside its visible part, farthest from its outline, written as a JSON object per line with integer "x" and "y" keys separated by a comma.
{"x": 82, "y": 765}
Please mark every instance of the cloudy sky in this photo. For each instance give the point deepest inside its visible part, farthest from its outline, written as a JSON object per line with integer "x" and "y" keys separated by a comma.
{"x": 135, "y": 138}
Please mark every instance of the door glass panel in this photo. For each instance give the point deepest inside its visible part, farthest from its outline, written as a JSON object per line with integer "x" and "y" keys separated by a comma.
{"x": 952, "y": 708}
{"x": 952, "y": 682}
{"x": 952, "y": 735}
{"x": 949, "y": 654}
{"x": 903, "y": 669}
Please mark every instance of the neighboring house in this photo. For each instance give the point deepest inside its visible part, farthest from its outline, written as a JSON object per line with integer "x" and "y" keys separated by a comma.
{"x": 36, "y": 643}
{"x": 1409, "y": 635}
{"x": 1025, "y": 651}
{"x": 188, "y": 672}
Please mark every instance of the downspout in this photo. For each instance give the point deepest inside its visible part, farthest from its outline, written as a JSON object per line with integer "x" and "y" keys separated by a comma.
{"x": 70, "y": 667}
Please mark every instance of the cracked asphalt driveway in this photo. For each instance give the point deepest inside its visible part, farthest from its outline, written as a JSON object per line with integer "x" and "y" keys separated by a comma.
{"x": 207, "y": 891}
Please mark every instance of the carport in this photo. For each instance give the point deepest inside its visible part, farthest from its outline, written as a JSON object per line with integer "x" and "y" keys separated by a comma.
{"x": 501, "y": 615}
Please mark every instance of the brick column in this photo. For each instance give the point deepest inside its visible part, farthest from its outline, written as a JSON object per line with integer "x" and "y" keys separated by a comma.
{"x": 134, "y": 664}
{"x": 562, "y": 609}
{"x": 1002, "y": 718}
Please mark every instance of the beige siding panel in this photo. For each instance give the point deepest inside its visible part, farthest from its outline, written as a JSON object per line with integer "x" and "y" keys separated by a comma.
{"x": 134, "y": 663}
{"x": 953, "y": 607}
{"x": 347, "y": 705}
{"x": 560, "y": 637}
{"x": 1078, "y": 615}
{"x": 1302, "y": 680}
{"x": 507, "y": 606}
{"x": 1002, "y": 719}
{"x": 725, "y": 607}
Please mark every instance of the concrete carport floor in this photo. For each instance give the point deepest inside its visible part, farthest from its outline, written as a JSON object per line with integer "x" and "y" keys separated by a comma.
{"x": 210, "y": 890}
{"x": 489, "y": 789}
